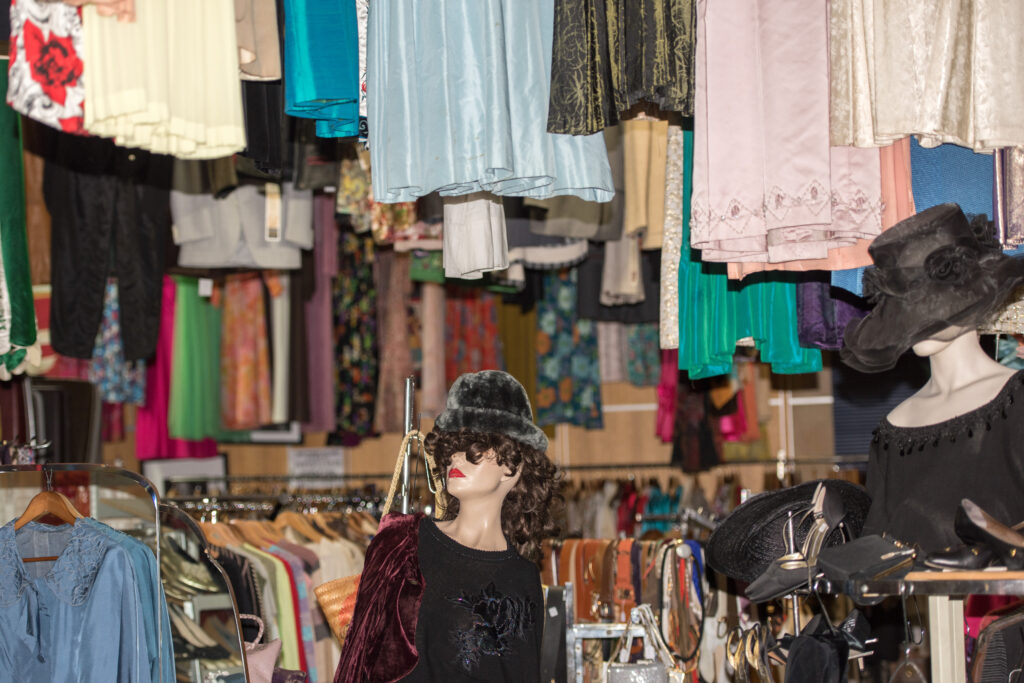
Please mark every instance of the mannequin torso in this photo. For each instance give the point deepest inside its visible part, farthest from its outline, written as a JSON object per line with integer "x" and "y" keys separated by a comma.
{"x": 960, "y": 436}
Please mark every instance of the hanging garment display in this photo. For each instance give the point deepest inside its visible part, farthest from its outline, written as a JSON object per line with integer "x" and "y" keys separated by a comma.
{"x": 391, "y": 222}
{"x": 120, "y": 381}
{"x": 823, "y": 314}
{"x": 645, "y": 144}
{"x": 667, "y": 393}
{"x": 949, "y": 173}
{"x": 394, "y": 291}
{"x": 936, "y": 70}
{"x": 109, "y": 211}
{"x": 417, "y": 80}
{"x": 433, "y": 386}
{"x": 259, "y": 48}
{"x": 532, "y": 248}
{"x": 671, "y": 241}
{"x": 239, "y": 231}
{"x": 244, "y": 357}
{"x": 1009, "y": 196}
{"x": 472, "y": 342}
{"x": 319, "y": 318}
{"x": 100, "y": 593}
{"x": 355, "y": 338}
{"x": 193, "y": 109}
{"x": 193, "y": 411}
{"x": 612, "y": 54}
{"x": 643, "y": 357}
{"x": 611, "y": 351}
{"x": 46, "y": 68}
{"x": 759, "y": 205}
{"x": 570, "y": 216}
{"x": 568, "y": 377}
{"x": 278, "y": 302}
{"x": 474, "y": 236}
{"x": 18, "y": 339}
{"x": 152, "y": 439}
{"x": 713, "y": 315}
{"x": 897, "y": 204}
{"x": 322, "y": 65}
{"x": 620, "y": 282}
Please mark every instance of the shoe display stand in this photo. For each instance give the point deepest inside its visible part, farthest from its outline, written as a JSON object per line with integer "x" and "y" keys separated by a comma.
{"x": 945, "y": 592}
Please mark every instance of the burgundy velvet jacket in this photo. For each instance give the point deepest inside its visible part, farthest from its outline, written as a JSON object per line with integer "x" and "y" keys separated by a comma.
{"x": 381, "y": 643}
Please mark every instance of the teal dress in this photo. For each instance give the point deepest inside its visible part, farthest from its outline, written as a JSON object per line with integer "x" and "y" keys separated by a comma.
{"x": 715, "y": 312}
{"x": 321, "y": 65}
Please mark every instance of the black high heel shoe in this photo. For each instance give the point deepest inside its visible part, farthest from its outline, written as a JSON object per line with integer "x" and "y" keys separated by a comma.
{"x": 1005, "y": 542}
{"x": 971, "y": 556}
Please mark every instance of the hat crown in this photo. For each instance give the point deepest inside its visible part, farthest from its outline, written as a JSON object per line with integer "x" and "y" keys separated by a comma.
{"x": 908, "y": 243}
{"x": 491, "y": 401}
{"x": 489, "y": 389}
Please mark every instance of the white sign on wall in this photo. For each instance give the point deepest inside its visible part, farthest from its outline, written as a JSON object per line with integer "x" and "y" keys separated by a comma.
{"x": 323, "y": 465}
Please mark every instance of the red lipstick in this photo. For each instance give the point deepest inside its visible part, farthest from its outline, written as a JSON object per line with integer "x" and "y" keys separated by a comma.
{"x": 454, "y": 473}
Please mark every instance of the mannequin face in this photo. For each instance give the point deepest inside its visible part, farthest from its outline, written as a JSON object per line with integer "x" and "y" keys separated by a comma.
{"x": 940, "y": 341}
{"x": 481, "y": 480}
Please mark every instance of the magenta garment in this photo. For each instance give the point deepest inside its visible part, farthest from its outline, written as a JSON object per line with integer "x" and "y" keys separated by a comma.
{"x": 319, "y": 320}
{"x": 733, "y": 427}
{"x": 152, "y": 439}
{"x": 665, "y": 427}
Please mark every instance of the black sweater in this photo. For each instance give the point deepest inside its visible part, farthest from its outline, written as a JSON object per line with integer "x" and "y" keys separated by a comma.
{"x": 480, "y": 619}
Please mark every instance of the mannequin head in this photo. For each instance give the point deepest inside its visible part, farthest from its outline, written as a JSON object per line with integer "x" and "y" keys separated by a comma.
{"x": 503, "y": 472}
{"x": 940, "y": 341}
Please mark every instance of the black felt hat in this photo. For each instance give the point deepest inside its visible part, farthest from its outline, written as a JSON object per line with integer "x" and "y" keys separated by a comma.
{"x": 491, "y": 401}
{"x": 753, "y": 535}
{"x": 932, "y": 271}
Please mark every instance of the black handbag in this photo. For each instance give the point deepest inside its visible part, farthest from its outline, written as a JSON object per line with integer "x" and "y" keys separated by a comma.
{"x": 865, "y": 558}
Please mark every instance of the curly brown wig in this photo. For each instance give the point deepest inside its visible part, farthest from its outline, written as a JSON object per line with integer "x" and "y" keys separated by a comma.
{"x": 527, "y": 513}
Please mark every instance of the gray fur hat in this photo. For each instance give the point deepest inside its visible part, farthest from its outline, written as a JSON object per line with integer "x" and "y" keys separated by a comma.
{"x": 491, "y": 401}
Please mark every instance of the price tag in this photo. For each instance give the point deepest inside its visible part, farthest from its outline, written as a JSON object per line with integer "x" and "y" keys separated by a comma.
{"x": 272, "y": 231}
{"x": 205, "y": 287}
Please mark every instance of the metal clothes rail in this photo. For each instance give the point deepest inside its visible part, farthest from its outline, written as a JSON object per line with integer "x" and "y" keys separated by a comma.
{"x": 840, "y": 461}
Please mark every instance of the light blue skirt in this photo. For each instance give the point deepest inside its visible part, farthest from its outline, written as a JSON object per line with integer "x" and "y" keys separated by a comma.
{"x": 457, "y": 95}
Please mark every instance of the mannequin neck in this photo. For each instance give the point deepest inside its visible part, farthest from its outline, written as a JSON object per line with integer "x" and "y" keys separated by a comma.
{"x": 961, "y": 363}
{"x": 478, "y": 524}
{"x": 963, "y": 378}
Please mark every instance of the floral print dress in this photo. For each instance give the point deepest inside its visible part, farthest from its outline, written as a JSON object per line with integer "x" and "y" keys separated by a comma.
{"x": 45, "y": 68}
{"x": 568, "y": 376}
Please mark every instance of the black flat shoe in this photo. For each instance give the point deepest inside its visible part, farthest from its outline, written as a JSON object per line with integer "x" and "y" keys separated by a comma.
{"x": 965, "y": 557}
{"x": 1006, "y": 543}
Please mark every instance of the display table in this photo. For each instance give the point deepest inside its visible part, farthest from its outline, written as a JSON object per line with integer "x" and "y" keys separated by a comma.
{"x": 945, "y": 592}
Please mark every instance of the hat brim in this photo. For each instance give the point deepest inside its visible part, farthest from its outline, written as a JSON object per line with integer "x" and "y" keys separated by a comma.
{"x": 875, "y": 342}
{"x": 752, "y": 537}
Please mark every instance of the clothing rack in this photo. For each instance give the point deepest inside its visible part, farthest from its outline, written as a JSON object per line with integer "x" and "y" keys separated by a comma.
{"x": 262, "y": 502}
{"x": 47, "y": 471}
{"x": 839, "y": 461}
{"x": 686, "y": 516}
{"x": 267, "y": 478}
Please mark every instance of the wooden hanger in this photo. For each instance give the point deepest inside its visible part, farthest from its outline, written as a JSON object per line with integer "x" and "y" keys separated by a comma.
{"x": 299, "y": 524}
{"x": 44, "y": 503}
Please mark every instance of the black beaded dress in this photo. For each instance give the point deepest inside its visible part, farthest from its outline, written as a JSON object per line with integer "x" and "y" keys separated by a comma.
{"x": 918, "y": 475}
